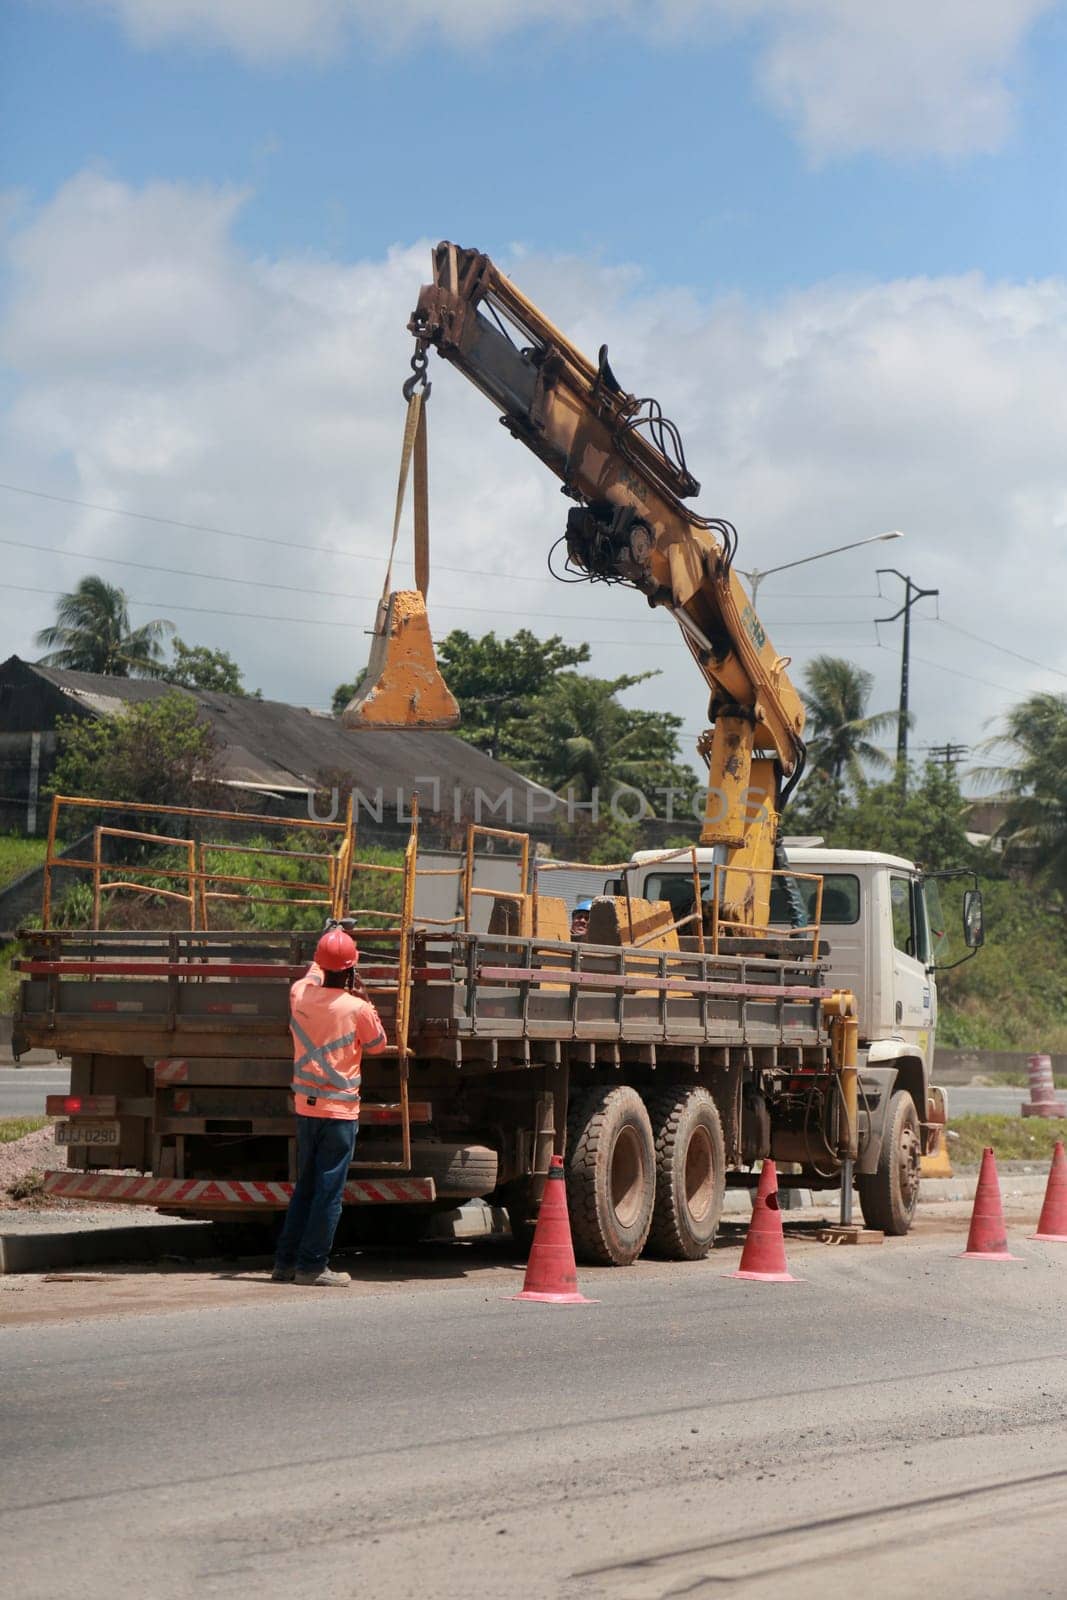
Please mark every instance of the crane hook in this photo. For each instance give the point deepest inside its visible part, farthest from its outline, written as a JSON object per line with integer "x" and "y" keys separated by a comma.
{"x": 420, "y": 362}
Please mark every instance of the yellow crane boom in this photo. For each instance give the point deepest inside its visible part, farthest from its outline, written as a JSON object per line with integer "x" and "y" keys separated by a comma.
{"x": 623, "y": 463}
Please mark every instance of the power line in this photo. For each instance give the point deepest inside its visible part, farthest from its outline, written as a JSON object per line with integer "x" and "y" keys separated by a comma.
{"x": 310, "y": 622}
{"x": 292, "y": 544}
{"x": 255, "y": 538}
{"x": 990, "y": 645}
{"x": 955, "y": 672}
{"x": 264, "y": 583}
{"x": 320, "y": 594}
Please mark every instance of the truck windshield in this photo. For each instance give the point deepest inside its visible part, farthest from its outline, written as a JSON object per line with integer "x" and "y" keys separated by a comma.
{"x": 840, "y": 899}
{"x": 676, "y": 888}
{"x": 840, "y": 896}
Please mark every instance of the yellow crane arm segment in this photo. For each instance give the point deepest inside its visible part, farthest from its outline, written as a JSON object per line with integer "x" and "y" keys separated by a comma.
{"x": 623, "y": 464}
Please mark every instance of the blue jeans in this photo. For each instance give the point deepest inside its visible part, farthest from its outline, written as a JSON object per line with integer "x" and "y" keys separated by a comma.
{"x": 324, "y": 1148}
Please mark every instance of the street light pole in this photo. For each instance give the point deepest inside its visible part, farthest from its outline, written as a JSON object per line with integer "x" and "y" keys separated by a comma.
{"x": 912, "y": 593}
{"x": 755, "y": 577}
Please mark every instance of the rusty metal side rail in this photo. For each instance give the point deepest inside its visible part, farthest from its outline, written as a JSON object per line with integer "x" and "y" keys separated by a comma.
{"x": 637, "y": 981}
{"x": 103, "y": 968}
{"x": 196, "y": 875}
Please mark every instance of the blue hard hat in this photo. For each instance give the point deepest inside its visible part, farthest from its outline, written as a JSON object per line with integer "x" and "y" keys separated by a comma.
{"x": 584, "y": 902}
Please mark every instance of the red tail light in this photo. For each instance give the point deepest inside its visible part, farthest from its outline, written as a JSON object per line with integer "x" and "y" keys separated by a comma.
{"x": 88, "y": 1105}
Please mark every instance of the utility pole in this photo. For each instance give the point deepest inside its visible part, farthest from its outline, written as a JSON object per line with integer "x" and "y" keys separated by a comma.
{"x": 912, "y": 593}
{"x": 948, "y": 753}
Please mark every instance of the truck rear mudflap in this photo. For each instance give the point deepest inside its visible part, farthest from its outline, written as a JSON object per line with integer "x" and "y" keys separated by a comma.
{"x": 223, "y": 1194}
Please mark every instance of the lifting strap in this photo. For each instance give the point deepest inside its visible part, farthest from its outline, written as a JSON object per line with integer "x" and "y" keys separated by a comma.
{"x": 414, "y": 445}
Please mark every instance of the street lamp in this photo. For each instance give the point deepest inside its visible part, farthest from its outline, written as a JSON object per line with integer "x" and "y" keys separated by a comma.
{"x": 755, "y": 577}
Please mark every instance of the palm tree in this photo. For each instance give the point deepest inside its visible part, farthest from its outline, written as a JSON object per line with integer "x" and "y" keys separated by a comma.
{"x": 92, "y": 633}
{"x": 840, "y": 727}
{"x": 1034, "y": 785}
{"x": 585, "y": 740}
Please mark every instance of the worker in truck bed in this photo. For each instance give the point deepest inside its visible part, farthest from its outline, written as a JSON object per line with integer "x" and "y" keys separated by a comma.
{"x": 332, "y": 1022}
{"x": 580, "y": 917}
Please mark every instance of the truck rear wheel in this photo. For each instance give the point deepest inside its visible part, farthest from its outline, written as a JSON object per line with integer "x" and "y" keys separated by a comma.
{"x": 611, "y": 1175}
{"x": 690, "y": 1173}
{"x": 890, "y": 1194}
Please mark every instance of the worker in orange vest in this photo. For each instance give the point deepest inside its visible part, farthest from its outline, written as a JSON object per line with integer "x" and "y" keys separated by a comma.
{"x": 333, "y": 1023}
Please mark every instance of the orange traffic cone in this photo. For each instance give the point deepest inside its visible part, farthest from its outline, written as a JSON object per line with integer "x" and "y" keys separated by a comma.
{"x": 763, "y": 1257}
{"x": 551, "y": 1274}
{"x": 987, "y": 1239}
{"x": 1052, "y": 1224}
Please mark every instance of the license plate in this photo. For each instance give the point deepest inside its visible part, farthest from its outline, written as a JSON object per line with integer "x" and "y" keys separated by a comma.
{"x": 87, "y": 1133}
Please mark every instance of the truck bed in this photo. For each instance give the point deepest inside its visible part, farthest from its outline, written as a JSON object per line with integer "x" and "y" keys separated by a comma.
{"x": 219, "y": 995}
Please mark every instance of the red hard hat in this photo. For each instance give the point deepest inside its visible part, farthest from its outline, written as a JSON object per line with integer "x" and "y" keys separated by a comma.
{"x": 336, "y": 952}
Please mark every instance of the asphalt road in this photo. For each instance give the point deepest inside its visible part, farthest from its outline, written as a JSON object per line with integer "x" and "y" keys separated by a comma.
{"x": 895, "y": 1422}
{"x": 1003, "y": 1101}
{"x": 23, "y": 1089}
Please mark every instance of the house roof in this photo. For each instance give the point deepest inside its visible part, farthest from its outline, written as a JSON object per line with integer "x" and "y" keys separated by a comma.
{"x": 268, "y": 744}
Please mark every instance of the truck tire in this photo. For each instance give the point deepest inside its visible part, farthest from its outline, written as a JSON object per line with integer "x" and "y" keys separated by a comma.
{"x": 459, "y": 1171}
{"x": 890, "y": 1194}
{"x": 690, "y": 1173}
{"x": 611, "y": 1175}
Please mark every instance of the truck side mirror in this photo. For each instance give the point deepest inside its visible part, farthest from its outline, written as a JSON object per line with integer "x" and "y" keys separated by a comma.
{"x": 973, "y": 924}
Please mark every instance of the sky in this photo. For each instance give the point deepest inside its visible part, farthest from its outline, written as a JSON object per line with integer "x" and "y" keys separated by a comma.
{"x": 829, "y": 236}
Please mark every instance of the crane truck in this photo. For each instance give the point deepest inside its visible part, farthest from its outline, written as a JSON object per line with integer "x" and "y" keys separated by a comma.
{"x": 686, "y": 1038}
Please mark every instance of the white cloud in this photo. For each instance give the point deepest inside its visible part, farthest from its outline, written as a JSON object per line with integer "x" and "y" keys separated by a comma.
{"x": 160, "y": 369}
{"x": 903, "y": 78}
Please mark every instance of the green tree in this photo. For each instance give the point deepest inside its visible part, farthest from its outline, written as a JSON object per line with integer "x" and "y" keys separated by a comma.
{"x": 497, "y": 683}
{"x": 344, "y": 692}
{"x": 840, "y": 728}
{"x": 197, "y": 667}
{"x": 92, "y": 633}
{"x": 1033, "y": 783}
{"x": 156, "y": 753}
{"x": 926, "y": 825}
{"x": 582, "y": 738}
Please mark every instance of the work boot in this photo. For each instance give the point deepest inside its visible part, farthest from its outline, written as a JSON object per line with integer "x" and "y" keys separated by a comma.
{"x": 325, "y": 1278}
{"x": 283, "y": 1275}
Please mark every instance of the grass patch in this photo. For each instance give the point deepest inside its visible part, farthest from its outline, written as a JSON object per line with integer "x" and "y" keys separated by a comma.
{"x": 18, "y": 856}
{"x": 1012, "y": 1138}
{"x": 9, "y": 978}
{"x": 29, "y": 1187}
{"x": 12, "y": 1128}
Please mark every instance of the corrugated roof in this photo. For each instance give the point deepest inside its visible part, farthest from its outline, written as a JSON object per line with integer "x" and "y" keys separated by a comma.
{"x": 267, "y": 742}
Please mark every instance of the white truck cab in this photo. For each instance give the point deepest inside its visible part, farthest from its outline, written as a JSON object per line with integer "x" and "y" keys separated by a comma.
{"x": 883, "y": 936}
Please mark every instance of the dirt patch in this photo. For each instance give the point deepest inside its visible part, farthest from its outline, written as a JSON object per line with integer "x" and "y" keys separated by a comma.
{"x": 34, "y": 1152}
{"x": 19, "y": 1160}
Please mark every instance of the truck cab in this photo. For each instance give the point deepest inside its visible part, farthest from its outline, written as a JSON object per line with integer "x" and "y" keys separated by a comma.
{"x": 884, "y": 934}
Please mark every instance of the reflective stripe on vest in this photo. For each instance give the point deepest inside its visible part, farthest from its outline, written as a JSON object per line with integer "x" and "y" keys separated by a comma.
{"x": 313, "y": 1074}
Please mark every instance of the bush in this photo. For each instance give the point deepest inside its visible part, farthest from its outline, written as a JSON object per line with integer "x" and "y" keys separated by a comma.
{"x": 158, "y": 753}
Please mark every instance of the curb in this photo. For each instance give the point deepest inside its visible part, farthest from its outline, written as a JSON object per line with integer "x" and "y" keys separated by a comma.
{"x": 50, "y": 1252}
{"x": 84, "y": 1247}
{"x": 47, "y": 1252}
{"x": 932, "y": 1192}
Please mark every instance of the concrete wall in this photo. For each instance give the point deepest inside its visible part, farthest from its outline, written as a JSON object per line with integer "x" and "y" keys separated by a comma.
{"x": 960, "y": 1066}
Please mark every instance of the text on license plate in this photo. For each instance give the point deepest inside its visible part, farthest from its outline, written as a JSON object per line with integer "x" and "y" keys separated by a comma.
{"x": 88, "y": 1133}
